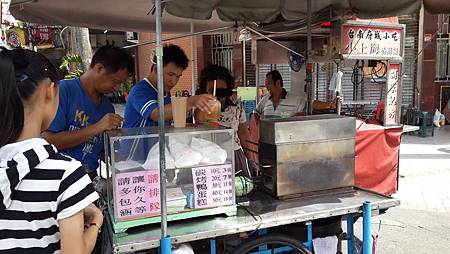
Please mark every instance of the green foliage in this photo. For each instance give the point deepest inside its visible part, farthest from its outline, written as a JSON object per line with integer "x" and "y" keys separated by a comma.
{"x": 126, "y": 86}
{"x": 68, "y": 62}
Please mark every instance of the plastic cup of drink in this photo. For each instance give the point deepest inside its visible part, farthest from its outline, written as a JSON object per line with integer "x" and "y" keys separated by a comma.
{"x": 215, "y": 106}
{"x": 179, "y": 105}
{"x": 213, "y": 116}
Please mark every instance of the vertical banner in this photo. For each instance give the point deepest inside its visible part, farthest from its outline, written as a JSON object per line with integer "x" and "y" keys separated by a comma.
{"x": 392, "y": 100}
{"x": 137, "y": 194}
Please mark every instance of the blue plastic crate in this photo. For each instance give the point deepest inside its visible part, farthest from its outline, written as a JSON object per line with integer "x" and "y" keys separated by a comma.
{"x": 249, "y": 106}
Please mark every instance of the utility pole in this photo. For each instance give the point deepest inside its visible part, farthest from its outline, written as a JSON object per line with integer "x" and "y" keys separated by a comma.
{"x": 81, "y": 45}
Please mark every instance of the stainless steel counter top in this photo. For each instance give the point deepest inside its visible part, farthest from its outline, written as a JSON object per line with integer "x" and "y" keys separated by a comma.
{"x": 267, "y": 212}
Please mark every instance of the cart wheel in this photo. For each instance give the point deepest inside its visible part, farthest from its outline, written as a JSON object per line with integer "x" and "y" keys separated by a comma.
{"x": 277, "y": 243}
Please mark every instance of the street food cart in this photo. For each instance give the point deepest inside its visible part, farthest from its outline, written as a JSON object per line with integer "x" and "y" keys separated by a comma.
{"x": 261, "y": 213}
{"x": 360, "y": 60}
{"x": 200, "y": 175}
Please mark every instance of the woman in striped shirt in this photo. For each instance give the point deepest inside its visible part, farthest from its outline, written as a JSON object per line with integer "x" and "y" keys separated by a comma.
{"x": 45, "y": 198}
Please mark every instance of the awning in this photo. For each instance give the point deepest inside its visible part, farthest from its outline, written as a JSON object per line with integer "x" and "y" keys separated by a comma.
{"x": 119, "y": 15}
{"x": 136, "y": 15}
{"x": 437, "y": 6}
{"x": 266, "y": 11}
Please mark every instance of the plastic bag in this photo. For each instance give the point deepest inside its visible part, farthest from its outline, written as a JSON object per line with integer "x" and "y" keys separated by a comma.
{"x": 211, "y": 152}
{"x": 152, "y": 161}
{"x": 182, "y": 153}
{"x": 127, "y": 165}
{"x": 436, "y": 118}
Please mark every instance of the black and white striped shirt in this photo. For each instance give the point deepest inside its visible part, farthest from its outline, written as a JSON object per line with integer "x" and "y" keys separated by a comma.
{"x": 38, "y": 187}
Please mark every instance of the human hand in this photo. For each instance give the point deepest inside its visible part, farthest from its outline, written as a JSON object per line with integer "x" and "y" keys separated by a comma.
{"x": 202, "y": 102}
{"x": 339, "y": 98}
{"x": 92, "y": 214}
{"x": 110, "y": 121}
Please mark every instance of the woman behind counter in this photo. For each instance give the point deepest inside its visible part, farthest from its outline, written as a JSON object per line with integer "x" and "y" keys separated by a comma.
{"x": 232, "y": 113}
{"x": 45, "y": 197}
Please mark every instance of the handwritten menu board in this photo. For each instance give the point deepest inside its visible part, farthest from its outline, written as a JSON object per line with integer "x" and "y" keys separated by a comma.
{"x": 137, "y": 194}
{"x": 392, "y": 100}
{"x": 213, "y": 186}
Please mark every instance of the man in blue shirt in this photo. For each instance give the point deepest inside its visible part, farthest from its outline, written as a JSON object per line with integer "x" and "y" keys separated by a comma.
{"x": 141, "y": 109}
{"x": 84, "y": 113}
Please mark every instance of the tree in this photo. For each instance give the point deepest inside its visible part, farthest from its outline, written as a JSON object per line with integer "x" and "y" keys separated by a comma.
{"x": 81, "y": 45}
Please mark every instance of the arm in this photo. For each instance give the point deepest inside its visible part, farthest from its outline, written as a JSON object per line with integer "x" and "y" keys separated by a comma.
{"x": 154, "y": 116}
{"x": 75, "y": 196}
{"x": 243, "y": 135}
{"x": 76, "y": 239}
{"x": 318, "y": 105}
{"x": 198, "y": 101}
{"x": 243, "y": 132}
{"x": 68, "y": 139}
{"x": 260, "y": 107}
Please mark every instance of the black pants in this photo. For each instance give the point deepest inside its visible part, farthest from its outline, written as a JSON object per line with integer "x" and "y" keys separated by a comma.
{"x": 240, "y": 163}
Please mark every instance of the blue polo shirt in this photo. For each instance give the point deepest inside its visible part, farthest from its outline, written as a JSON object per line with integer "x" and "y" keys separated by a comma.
{"x": 142, "y": 100}
{"x": 77, "y": 110}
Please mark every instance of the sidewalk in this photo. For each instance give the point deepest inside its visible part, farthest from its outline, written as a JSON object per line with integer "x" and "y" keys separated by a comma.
{"x": 425, "y": 172}
{"x": 422, "y": 223}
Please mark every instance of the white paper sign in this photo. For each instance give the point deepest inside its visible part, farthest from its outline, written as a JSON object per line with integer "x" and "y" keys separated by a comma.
{"x": 213, "y": 186}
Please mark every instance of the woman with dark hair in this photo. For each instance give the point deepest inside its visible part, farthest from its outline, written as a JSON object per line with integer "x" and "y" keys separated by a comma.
{"x": 232, "y": 113}
{"x": 45, "y": 199}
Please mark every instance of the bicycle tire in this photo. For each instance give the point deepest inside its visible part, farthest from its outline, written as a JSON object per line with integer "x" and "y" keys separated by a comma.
{"x": 279, "y": 239}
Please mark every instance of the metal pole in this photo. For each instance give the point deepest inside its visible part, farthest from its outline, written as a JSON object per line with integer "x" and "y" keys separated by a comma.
{"x": 350, "y": 222}
{"x": 257, "y": 85}
{"x": 180, "y": 36}
{"x": 367, "y": 232}
{"x": 244, "y": 62}
{"x": 309, "y": 47}
{"x": 162, "y": 138}
{"x": 310, "y": 236}
{"x": 272, "y": 40}
{"x": 338, "y": 104}
{"x": 1, "y": 24}
{"x": 1, "y": 19}
{"x": 213, "y": 246}
{"x": 418, "y": 85}
{"x": 193, "y": 66}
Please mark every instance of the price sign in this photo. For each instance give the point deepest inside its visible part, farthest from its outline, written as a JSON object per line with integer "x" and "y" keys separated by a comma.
{"x": 213, "y": 186}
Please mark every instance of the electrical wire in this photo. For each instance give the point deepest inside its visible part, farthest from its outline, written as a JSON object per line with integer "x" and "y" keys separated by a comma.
{"x": 358, "y": 73}
{"x": 404, "y": 70}
{"x": 374, "y": 72}
{"x": 256, "y": 217}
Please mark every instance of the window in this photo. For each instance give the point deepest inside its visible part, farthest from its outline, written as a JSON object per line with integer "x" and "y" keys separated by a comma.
{"x": 443, "y": 48}
{"x": 284, "y": 69}
{"x": 222, "y": 50}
